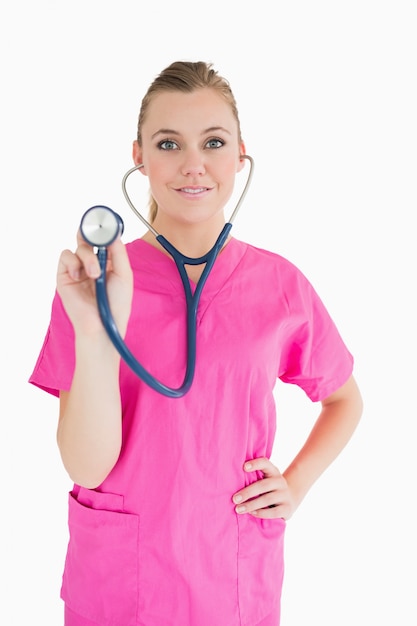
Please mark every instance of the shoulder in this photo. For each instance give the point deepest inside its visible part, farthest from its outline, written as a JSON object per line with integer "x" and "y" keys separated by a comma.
{"x": 135, "y": 247}
{"x": 142, "y": 254}
{"x": 276, "y": 278}
{"x": 273, "y": 263}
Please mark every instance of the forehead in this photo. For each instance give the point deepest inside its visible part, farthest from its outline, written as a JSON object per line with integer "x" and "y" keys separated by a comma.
{"x": 200, "y": 109}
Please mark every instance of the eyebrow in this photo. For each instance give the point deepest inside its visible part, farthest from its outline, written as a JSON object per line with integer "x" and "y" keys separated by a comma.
{"x": 170, "y": 131}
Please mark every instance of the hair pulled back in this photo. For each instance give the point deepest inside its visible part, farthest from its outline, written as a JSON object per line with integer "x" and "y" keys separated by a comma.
{"x": 185, "y": 76}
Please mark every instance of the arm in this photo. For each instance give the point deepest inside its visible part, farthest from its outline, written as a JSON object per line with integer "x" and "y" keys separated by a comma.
{"x": 283, "y": 493}
{"x": 89, "y": 427}
{"x": 90, "y": 419}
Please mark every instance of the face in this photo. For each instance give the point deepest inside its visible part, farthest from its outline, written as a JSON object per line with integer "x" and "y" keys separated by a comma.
{"x": 190, "y": 152}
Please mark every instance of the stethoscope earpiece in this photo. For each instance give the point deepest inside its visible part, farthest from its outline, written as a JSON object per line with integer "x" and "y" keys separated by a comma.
{"x": 100, "y": 226}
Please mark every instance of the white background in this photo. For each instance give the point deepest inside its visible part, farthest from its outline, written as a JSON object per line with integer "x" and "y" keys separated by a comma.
{"x": 327, "y": 99}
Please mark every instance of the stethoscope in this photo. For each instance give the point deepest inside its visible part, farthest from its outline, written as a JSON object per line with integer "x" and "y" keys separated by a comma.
{"x": 100, "y": 226}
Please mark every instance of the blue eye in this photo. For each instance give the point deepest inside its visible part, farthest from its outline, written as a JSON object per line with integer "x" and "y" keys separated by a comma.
{"x": 167, "y": 144}
{"x": 214, "y": 143}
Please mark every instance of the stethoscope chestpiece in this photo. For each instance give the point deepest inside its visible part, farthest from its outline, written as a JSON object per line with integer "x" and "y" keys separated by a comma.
{"x": 100, "y": 226}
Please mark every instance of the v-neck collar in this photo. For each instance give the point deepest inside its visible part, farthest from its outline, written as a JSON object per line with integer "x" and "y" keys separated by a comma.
{"x": 146, "y": 258}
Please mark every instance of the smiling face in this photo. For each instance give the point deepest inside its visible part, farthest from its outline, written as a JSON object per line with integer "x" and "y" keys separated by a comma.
{"x": 190, "y": 151}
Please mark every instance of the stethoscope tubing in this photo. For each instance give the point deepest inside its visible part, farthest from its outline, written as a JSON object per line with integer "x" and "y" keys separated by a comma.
{"x": 192, "y": 299}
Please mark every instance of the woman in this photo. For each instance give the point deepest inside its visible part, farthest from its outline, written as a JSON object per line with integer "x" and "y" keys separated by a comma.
{"x": 177, "y": 515}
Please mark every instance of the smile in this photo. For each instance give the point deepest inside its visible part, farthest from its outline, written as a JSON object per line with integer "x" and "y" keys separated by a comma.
{"x": 193, "y": 190}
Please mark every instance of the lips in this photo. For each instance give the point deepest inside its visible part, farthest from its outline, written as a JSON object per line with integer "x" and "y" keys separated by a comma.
{"x": 193, "y": 190}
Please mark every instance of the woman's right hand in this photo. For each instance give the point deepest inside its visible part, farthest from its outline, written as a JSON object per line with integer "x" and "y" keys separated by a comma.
{"x": 76, "y": 276}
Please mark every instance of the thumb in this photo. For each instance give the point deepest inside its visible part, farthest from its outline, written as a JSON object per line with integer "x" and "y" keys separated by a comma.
{"x": 119, "y": 258}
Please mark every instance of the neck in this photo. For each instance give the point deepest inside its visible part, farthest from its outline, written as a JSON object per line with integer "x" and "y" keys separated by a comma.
{"x": 192, "y": 240}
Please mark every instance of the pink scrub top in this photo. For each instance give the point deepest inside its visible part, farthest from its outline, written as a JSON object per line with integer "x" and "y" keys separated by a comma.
{"x": 158, "y": 543}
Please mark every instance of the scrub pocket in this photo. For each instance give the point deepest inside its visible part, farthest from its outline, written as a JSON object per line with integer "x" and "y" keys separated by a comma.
{"x": 101, "y": 575}
{"x": 260, "y": 567}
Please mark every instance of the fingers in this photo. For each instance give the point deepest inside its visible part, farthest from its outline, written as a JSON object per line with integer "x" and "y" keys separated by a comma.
{"x": 263, "y": 465}
{"x": 83, "y": 263}
{"x": 266, "y": 496}
{"x": 69, "y": 265}
{"x": 119, "y": 259}
{"x": 76, "y": 284}
{"x": 87, "y": 257}
{"x": 77, "y": 266}
{"x": 116, "y": 253}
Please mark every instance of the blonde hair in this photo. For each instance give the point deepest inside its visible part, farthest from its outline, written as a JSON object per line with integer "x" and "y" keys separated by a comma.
{"x": 185, "y": 76}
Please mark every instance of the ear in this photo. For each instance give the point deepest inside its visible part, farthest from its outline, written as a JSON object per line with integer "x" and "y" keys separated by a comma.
{"x": 242, "y": 150}
{"x": 137, "y": 155}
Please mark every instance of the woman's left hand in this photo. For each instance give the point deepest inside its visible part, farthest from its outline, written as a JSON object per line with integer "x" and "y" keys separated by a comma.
{"x": 268, "y": 497}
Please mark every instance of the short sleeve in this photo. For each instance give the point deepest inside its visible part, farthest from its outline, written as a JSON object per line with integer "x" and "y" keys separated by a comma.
{"x": 54, "y": 368}
{"x": 314, "y": 356}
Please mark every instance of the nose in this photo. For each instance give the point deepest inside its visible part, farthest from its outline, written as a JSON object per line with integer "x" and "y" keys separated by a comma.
{"x": 193, "y": 163}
